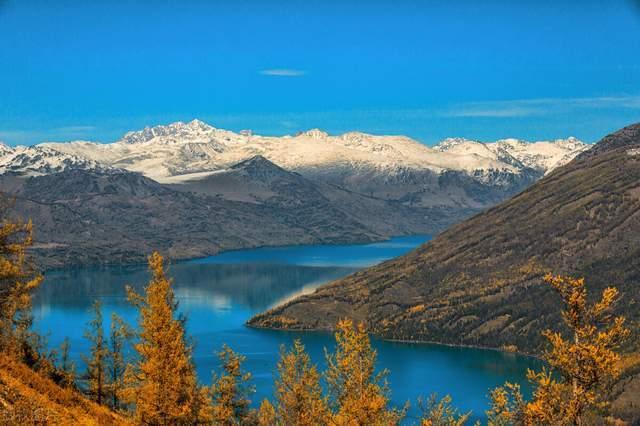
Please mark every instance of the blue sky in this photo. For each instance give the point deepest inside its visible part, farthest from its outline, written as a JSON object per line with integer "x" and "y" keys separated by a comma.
{"x": 529, "y": 69}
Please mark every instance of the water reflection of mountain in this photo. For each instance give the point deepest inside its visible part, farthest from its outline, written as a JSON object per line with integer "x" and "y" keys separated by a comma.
{"x": 256, "y": 286}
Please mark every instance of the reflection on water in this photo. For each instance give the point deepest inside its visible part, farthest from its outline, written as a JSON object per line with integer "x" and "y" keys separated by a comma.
{"x": 218, "y": 294}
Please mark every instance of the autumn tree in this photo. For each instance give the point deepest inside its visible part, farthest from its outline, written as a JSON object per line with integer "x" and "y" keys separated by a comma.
{"x": 267, "y": 414}
{"x": 67, "y": 367}
{"x": 359, "y": 395}
{"x": 18, "y": 279}
{"x": 507, "y": 406}
{"x": 298, "y": 391}
{"x": 231, "y": 391}
{"x": 119, "y": 334}
{"x": 440, "y": 412}
{"x": 162, "y": 384}
{"x": 97, "y": 361}
{"x": 583, "y": 364}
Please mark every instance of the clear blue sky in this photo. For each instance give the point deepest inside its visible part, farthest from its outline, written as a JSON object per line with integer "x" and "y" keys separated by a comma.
{"x": 480, "y": 69}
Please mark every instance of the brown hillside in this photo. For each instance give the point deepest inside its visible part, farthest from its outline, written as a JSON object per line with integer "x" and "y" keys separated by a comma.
{"x": 27, "y": 398}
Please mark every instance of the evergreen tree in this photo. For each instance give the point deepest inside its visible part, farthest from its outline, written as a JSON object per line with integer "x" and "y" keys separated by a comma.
{"x": 298, "y": 391}
{"x": 97, "y": 362}
{"x": 231, "y": 391}
{"x": 162, "y": 384}
{"x": 118, "y": 336}
{"x": 359, "y": 395}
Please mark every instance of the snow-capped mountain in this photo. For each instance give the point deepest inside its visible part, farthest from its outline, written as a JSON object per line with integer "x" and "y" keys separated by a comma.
{"x": 166, "y": 153}
{"x": 41, "y": 159}
{"x": 543, "y": 156}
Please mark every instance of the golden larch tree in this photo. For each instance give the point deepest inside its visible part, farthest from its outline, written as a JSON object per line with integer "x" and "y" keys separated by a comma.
{"x": 358, "y": 394}
{"x": 231, "y": 391}
{"x": 97, "y": 361}
{"x": 67, "y": 368}
{"x": 440, "y": 412}
{"x": 162, "y": 384}
{"x": 18, "y": 280}
{"x": 267, "y": 414}
{"x": 119, "y": 334}
{"x": 583, "y": 365}
{"x": 299, "y": 399}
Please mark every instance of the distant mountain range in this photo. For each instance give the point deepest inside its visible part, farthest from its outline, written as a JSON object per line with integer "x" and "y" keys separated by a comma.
{"x": 310, "y": 187}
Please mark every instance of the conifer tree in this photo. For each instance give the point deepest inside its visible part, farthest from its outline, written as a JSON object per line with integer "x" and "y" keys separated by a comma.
{"x": 298, "y": 391}
{"x": 162, "y": 384}
{"x": 267, "y": 414}
{"x": 360, "y": 396}
{"x": 67, "y": 366}
{"x": 586, "y": 362}
{"x": 120, "y": 332}
{"x": 97, "y": 361}
{"x": 18, "y": 279}
{"x": 231, "y": 391}
{"x": 439, "y": 412}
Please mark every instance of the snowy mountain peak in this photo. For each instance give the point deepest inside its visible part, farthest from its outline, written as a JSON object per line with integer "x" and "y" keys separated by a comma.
{"x": 450, "y": 143}
{"x": 42, "y": 159}
{"x": 5, "y": 149}
{"x": 314, "y": 134}
{"x": 194, "y": 129}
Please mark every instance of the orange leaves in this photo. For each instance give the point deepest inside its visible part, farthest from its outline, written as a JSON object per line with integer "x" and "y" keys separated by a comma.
{"x": 584, "y": 363}
{"x": 298, "y": 391}
{"x": 358, "y": 395}
{"x": 231, "y": 390}
{"x": 18, "y": 280}
{"x": 162, "y": 384}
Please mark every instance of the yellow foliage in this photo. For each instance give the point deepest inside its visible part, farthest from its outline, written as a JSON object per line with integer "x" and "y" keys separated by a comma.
{"x": 162, "y": 384}
{"x": 18, "y": 279}
{"x": 231, "y": 391}
{"x": 266, "y": 414}
{"x": 441, "y": 413}
{"x": 298, "y": 391}
{"x": 584, "y": 365}
{"x": 359, "y": 395}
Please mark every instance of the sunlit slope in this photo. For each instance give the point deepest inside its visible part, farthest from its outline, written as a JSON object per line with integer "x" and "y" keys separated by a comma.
{"x": 28, "y": 398}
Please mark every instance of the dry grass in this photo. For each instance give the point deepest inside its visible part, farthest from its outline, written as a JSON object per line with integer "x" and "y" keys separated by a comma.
{"x": 27, "y": 398}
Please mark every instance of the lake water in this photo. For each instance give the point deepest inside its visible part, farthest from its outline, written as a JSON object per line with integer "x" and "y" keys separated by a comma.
{"x": 218, "y": 294}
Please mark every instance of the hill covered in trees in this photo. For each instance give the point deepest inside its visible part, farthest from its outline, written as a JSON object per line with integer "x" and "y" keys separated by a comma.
{"x": 479, "y": 282}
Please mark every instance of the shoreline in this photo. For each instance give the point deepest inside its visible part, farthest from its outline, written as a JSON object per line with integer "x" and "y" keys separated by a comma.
{"x": 186, "y": 258}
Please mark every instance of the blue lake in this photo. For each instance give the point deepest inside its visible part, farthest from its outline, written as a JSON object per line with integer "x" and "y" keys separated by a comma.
{"x": 219, "y": 293}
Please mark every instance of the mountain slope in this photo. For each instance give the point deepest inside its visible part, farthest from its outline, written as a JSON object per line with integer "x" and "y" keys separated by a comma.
{"x": 391, "y": 167}
{"x": 259, "y": 181}
{"x": 479, "y": 282}
{"x": 115, "y": 216}
{"x": 28, "y": 398}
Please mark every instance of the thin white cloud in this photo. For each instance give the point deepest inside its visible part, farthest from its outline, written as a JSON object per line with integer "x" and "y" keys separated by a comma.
{"x": 283, "y": 72}
{"x": 540, "y": 106}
